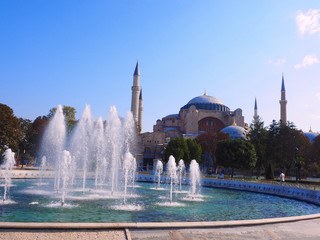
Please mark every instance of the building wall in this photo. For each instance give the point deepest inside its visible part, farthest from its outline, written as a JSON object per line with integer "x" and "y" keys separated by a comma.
{"x": 186, "y": 123}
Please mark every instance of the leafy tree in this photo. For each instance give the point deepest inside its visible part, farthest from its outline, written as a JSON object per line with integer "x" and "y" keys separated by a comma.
{"x": 283, "y": 140}
{"x": 38, "y": 125}
{"x": 194, "y": 150}
{"x": 178, "y": 148}
{"x": 69, "y": 114}
{"x": 184, "y": 149}
{"x": 10, "y": 132}
{"x": 313, "y": 160}
{"x": 258, "y": 136}
{"x": 236, "y": 153}
{"x": 269, "y": 172}
{"x": 26, "y": 146}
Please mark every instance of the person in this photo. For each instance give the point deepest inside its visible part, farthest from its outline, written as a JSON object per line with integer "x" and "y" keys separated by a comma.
{"x": 222, "y": 174}
{"x": 282, "y": 176}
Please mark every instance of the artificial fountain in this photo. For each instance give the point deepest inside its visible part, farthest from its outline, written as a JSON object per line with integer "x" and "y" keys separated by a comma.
{"x": 159, "y": 171}
{"x": 89, "y": 187}
{"x": 8, "y": 164}
{"x": 181, "y": 172}
{"x": 172, "y": 173}
{"x": 195, "y": 178}
{"x": 99, "y": 148}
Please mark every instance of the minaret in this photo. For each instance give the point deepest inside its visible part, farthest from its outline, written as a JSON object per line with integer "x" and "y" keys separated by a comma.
{"x": 140, "y": 112}
{"x": 255, "y": 116}
{"x": 135, "y": 94}
{"x": 283, "y": 104}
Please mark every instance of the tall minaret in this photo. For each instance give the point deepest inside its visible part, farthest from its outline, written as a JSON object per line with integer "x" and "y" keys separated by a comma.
{"x": 255, "y": 116}
{"x": 140, "y": 112}
{"x": 135, "y": 95}
{"x": 283, "y": 104}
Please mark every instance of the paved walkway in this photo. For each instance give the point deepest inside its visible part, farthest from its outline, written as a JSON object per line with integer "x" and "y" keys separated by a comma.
{"x": 40, "y": 234}
{"x": 306, "y": 230}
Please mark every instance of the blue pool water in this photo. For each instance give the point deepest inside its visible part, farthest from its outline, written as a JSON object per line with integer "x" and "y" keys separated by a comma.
{"x": 30, "y": 202}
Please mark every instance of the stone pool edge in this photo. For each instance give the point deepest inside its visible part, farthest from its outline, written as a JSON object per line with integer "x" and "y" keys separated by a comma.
{"x": 281, "y": 190}
{"x": 155, "y": 225}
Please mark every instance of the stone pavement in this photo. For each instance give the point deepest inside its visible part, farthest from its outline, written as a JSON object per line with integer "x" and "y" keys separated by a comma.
{"x": 41, "y": 234}
{"x": 305, "y": 230}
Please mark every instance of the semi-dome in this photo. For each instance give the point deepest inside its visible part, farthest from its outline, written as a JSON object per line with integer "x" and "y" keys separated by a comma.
{"x": 207, "y": 103}
{"x": 311, "y": 135}
{"x": 235, "y": 132}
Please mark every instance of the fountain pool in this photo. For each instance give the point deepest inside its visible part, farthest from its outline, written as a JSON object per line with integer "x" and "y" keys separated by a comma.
{"x": 94, "y": 170}
{"x": 33, "y": 203}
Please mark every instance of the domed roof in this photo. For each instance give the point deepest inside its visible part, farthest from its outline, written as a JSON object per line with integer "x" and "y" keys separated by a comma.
{"x": 235, "y": 132}
{"x": 311, "y": 135}
{"x": 204, "y": 99}
{"x": 207, "y": 103}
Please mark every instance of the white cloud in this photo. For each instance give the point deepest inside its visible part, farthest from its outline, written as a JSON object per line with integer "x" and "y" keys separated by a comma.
{"x": 278, "y": 62}
{"x": 308, "y": 22}
{"x": 307, "y": 60}
{"x": 318, "y": 95}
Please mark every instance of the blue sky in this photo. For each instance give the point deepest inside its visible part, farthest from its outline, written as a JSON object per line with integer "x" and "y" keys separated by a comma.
{"x": 84, "y": 52}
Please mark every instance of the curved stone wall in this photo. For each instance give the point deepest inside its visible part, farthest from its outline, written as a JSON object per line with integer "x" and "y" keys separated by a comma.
{"x": 308, "y": 195}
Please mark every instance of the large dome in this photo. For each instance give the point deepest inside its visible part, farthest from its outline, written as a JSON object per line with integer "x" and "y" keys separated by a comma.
{"x": 207, "y": 103}
{"x": 204, "y": 99}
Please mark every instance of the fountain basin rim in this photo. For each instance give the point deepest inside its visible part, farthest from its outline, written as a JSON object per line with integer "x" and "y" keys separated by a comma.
{"x": 155, "y": 225}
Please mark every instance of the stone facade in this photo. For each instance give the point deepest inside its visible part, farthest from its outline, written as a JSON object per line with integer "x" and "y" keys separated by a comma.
{"x": 201, "y": 114}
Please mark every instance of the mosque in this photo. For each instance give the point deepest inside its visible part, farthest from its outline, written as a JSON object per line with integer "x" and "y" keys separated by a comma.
{"x": 201, "y": 114}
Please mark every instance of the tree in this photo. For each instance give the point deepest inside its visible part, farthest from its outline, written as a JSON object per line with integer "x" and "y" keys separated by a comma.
{"x": 38, "y": 125}
{"x": 194, "y": 150}
{"x": 236, "y": 153}
{"x": 269, "y": 172}
{"x": 283, "y": 140}
{"x": 258, "y": 136}
{"x": 178, "y": 148}
{"x": 184, "y": 149}
{"x": 313, "y": 159}
{"x": 69, "y": 114}
{"x": 208, "y": 142}
{"x": 26, "y": 146}
{"x": 10, "y": 132}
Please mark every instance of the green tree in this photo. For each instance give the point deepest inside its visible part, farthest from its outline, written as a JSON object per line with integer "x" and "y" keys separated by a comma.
{"x": 313, "y": 160}
{"x": 10, "y": 132}
{"x": 38, "y": 125}
{"x": 258, "y": 136}
{"x": 178, "y": 148}
{"x": 238, "y": 153}
{"x": 269, "y": 172}
{"x": 283, "y": 140}
{"x": 194, "y": 150}
{"x": 26, "y": 146}
{"x": 69, "y": 114}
